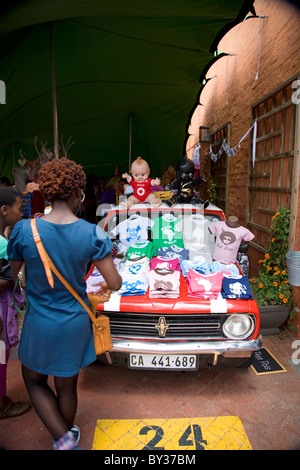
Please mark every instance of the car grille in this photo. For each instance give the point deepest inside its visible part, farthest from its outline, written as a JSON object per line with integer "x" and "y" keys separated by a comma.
{"x": 155, "y": 326}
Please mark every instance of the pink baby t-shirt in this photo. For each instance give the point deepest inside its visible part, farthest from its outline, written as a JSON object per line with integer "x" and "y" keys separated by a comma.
{"x": 228, "y": 241}
{"x": 205, "y": 286}
{"x": 165, "y": 264}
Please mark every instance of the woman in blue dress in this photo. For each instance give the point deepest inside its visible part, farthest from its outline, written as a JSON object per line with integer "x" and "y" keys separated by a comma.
{"x": 57, "y": 337}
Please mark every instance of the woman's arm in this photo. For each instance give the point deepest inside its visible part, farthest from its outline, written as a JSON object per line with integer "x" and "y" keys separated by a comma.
{"x": 4, "y": 284}
{"x": 15, "y": 267}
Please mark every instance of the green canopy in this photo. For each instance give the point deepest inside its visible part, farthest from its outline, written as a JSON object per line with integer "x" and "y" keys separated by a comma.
{"x": 128, "y": 76}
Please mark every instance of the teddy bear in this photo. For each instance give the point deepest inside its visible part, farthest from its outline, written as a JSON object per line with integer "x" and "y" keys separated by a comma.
{"x": 141, "y": 183}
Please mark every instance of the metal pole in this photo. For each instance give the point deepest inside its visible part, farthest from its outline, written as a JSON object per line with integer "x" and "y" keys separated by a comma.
{"x": 130, "y": 139}
{"x": 54, "y": 102}
{"x": 295, "y": 184}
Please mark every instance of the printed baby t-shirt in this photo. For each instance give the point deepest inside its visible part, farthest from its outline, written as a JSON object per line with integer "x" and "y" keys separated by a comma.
{"x": 141, "y": 265}
{"x": 133, "y": 284}
{"x": 228, "y": 241}
{"x": 164, "y": 285}
{"x": 236, "y": 288}
{"x": 225, "y": 269}
{"x": 196, "y": 235}
{"x": 163, "y": 264}
{"x": 166, "y": 231}
{"x": 202, "y": 267}
{"x": 204, "y": 286}
{"x": 173, "y": 251}
{"x": 139, "y": 250}
{"x": 132, "y": 230}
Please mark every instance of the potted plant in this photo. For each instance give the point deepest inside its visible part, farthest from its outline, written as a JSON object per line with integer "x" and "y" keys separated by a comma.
{"x": 271, "y": 287}
{"x": 212, "y": 192}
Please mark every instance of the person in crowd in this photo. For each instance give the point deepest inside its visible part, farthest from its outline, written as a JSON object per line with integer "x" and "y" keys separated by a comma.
{"x": 10, "y": 214}
{"x": 113, "y": 190}
{"x": 100, "y": 187}
{"x": 90, "y": 200}
{"x": 4, "y": 181}
{"x": 57, "y": 336}
{"x": 169, "y": 175}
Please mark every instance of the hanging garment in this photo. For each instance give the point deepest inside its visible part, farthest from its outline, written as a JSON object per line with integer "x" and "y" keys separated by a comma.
{"x": 231, "y": 152}
{"x": 26, "y": 203}
{"x": 20, "y": 175}
{"x": 196, "y": 156}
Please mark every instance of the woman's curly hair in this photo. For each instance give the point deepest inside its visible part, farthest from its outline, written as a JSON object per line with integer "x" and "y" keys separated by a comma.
{"x": 60, "y": 179}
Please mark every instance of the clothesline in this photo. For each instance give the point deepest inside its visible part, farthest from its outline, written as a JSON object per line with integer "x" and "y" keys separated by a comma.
{"x": 231, "y": 152}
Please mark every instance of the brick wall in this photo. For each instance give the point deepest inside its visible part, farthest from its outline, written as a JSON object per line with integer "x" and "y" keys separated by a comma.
{"x": 266, "y": 52}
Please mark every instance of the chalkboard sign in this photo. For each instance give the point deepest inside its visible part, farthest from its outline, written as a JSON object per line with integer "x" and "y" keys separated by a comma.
{"x": 263, "y": 362}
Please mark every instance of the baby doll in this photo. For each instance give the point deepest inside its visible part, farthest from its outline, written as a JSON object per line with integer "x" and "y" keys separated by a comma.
{"x": 185, "y": 184}
{"x": 141, "y": 183}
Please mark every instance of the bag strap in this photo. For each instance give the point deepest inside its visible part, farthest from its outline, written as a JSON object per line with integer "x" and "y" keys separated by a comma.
{"x": 42, "y": 251}
{"x": 18, "y": 284}
{"x": 49, "y": 266}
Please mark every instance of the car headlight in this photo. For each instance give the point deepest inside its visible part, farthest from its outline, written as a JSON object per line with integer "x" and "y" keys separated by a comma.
{"x": 238, "y": 326}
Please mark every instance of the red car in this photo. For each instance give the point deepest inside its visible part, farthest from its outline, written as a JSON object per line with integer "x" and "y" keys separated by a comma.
{"x": 180, "y": 332}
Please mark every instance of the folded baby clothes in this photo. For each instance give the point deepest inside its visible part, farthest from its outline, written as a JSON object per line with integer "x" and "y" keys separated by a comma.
{"x": 134, "y": 284}
{"x": 164, "y": 265}
{"x": 140, "y": 249}
{"x": 236, "y": 288}
{"x": 164, "y": 285}
{"x": 200, "y": 267}
{"x": 204, "y": 286}
{"x": 94, "y": 279}
{"x": 225, "y": 269}
{"x": 135, "y": 266}
{"x": 173, "y": 251}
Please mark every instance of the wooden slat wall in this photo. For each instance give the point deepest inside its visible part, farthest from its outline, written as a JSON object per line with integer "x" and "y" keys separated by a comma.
{"x": 270, "y": 180}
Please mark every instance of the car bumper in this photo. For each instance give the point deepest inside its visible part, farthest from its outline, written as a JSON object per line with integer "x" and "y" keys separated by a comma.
{"x": 242, "y": 348}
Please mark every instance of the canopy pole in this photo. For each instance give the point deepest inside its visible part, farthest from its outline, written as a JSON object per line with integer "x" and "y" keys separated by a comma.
{"x": 54, "y": 102}
{"x": 130, "y": 139}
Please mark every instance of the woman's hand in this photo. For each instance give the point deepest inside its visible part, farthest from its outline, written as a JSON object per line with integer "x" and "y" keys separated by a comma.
{"x": 103, "y": 291}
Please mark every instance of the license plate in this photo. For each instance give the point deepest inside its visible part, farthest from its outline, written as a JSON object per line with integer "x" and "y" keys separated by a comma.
{"x": 170, "y": 361}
